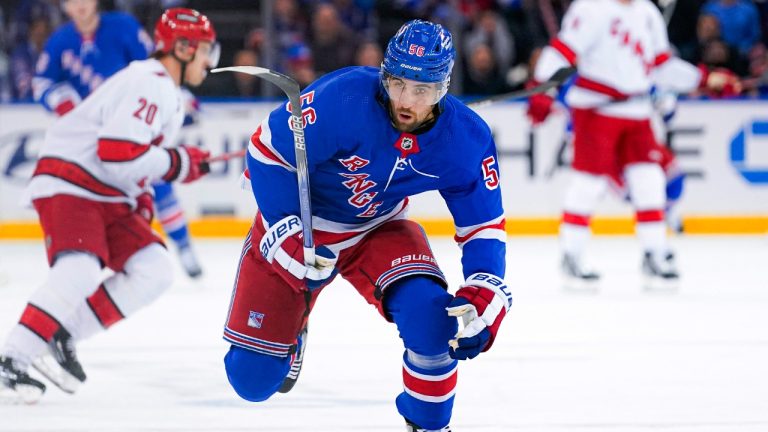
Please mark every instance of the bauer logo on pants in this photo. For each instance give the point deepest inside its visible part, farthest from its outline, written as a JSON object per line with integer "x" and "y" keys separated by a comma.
{"x": 255, "y": 319}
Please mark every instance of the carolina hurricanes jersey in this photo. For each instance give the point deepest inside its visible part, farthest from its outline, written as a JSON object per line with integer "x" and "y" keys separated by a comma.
{"x": 616, "y": 45}
{"x": 362, "y": 170}
{"x": 71, "y": 66}
{"x": 109, "y": 146}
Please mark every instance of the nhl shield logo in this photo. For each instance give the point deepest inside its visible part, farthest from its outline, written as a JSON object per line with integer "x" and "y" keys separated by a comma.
{"x": 255, "y": 319}
{"x": 407, "y": 143}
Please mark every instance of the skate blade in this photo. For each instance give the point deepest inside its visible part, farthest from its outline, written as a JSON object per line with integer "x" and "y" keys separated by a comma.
{"x": 660, "y": 285}
{"x": 48, "y": 366}
{"x": 21, "y": 394}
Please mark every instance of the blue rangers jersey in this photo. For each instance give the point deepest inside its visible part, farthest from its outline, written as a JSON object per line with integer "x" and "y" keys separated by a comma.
{"x": 362, "y": 170}
{"x": 72, "y": 66}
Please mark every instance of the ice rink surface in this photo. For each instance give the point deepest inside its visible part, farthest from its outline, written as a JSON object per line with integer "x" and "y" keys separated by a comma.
{"x": 619, "y": 360}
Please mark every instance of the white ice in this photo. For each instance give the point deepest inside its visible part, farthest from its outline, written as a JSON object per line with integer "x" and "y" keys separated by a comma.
{"x": 621, "y": 360}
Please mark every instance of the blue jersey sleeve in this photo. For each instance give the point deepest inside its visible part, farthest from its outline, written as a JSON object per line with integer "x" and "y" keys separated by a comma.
{"x": 476, "y": 206}
{"x": 136, "y": 42}
{"x": 272, "y": 157}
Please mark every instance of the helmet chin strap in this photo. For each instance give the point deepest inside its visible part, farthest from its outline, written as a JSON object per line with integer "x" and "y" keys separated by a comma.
{"x": 183, "y": 64}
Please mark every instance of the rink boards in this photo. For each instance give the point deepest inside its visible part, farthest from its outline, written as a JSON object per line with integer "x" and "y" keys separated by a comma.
{"x": 722, "y": 145}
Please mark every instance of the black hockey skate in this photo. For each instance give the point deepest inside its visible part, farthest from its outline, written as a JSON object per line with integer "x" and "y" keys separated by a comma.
{"x": 298, "y": 360}
{"x": 576, "y": 277}
{"x": 60, "y": 365}
{"x": 413, "y": 427}
{"x": 16, "y": 385}
{"x": 660, "y": 273}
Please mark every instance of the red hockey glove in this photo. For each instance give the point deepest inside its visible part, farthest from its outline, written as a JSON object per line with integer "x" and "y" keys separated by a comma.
{"x": 481, "y": 303}
{"x": 187, "y": 164}
{"x": 539, "y": 105}
{"x": 283, "y": 247}
{"x": 719, "y": 82}
{"x": 145, "y": 206}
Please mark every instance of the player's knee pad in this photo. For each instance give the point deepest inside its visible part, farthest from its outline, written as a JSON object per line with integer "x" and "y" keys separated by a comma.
{"x": 254, "y": 376}
{"x": 584, "y": 192}
{"x": 646, "y": 185}
{"x": 417, "y": 306}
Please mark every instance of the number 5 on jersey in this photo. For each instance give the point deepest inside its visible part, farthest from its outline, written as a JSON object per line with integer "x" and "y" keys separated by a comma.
{"x": 491, "y": 175}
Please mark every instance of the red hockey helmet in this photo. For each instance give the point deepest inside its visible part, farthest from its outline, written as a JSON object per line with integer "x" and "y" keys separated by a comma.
{"x": 182, "y": 23}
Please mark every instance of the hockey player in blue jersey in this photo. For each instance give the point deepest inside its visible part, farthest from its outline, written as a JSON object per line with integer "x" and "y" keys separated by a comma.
{"x": 77, "y": 58}
{"x": 374, "y": 137}
{"x": 84, "y": 52}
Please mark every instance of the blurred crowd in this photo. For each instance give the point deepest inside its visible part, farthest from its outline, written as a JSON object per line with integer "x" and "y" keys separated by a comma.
{"x": 498, "y": 39}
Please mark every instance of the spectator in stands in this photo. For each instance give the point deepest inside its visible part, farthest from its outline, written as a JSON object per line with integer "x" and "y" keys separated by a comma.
{"x": 356, "y": 15}
{"x": 682, "y": 28}
{"x": 332, "y": 43}
{"x": 483, "y": 76}
{"x": 300, "y": 65}
{"x": 710, "y": 45}
{"x": 246, "y": 85}
{"x": 369, "y": 54}
{"x": 24, "y": 58}
{"x": 290, "y": 24}
{"x": 489, "y": 30}
{"x": 234, "y": 84}
{"x": 739, "y": 22}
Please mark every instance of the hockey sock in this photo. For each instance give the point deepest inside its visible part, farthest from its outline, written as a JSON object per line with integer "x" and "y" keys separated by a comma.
{"x": 647, "y": 189}
{"x": 71, "y": 279}
{"x": 429, "y": 386}
{"x": 171, "y": 215}
{"x": 417, "y": 305}
{"x": 582, "y": 195}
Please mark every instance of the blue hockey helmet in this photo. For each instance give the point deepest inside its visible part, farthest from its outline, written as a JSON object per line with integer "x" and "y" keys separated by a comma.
{"x": 420, "y": 51}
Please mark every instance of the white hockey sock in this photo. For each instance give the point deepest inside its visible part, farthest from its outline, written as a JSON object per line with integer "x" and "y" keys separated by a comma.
{"x": 70, "y": 280}
{"x": 646, "y": 188}
{"x": 581, "y": 197}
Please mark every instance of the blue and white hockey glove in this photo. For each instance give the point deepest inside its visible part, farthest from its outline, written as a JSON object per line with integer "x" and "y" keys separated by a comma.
{"x": 283, "y": 247}
{"x": 481, "y": 303}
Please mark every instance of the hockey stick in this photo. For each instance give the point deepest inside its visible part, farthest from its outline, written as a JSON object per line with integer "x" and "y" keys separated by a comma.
{"x": 291, "y": 89}
{"x": 558, "y": 78}
{"x": 227, "y": 156}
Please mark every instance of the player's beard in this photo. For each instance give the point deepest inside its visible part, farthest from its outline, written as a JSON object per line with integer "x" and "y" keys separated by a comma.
{"x": 406, "y": 120}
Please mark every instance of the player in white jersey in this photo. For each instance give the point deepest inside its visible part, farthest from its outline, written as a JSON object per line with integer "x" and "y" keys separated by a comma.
{"x": 620, "y": 48}
{"x": 90, "y": 190}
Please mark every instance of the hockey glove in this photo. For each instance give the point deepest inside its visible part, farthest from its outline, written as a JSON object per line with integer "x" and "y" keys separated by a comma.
{"x": 145, "y": 207}
{"x": 539, "y": 105}
{"x": 481, "y": 303}
{"x": 283, "y": 247}
{"x": 187, "y": 164}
